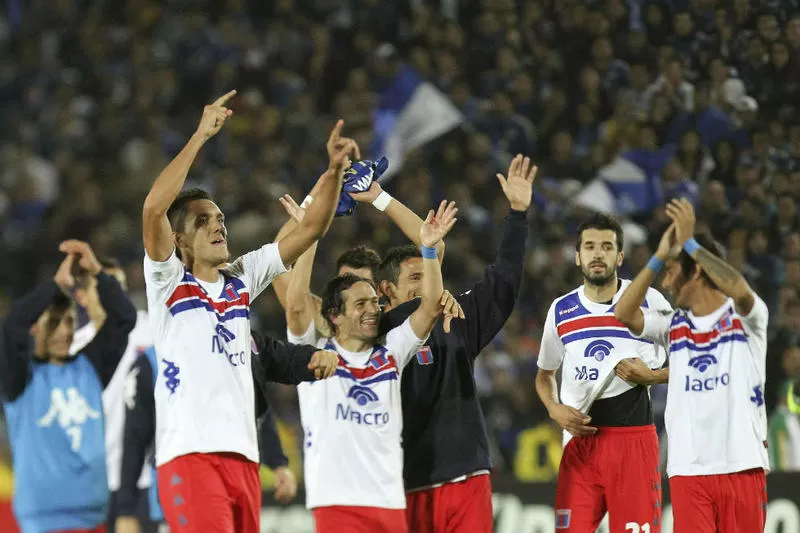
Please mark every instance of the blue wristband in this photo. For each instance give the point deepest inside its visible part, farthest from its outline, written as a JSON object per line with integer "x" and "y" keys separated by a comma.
{"x": 428, "y": 253}
{"x": 655, "y": 264}
{"x": 690, "y": 246}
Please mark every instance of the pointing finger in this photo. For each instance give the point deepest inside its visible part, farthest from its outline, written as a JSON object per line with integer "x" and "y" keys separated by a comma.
{"x": 337, "y": 131}
{"x": 224, "y": 98}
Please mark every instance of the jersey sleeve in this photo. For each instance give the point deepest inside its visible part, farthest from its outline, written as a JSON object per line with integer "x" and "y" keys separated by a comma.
{"x": 309, "y": 337}
{"x": 403, "y": 343}
{"x": 656, "y": 326}
{"x": 161, "y": 277}
{"x": 755, "y": 322}
{"x": 258, "y": 268}
{"x": 657, "y": 302}
{"x": 551, "y": 351}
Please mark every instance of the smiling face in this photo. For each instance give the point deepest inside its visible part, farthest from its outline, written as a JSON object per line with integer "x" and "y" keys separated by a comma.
{"x": 204, "y": 237}
{"x": 598, "y": 256}
{"x": 361, "y": 314}
{"x": 53, "y": 332}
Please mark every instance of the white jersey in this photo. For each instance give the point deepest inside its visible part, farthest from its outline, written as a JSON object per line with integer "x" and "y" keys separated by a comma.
{"x": 114, "y": 396}
{"x": 588, "y": 341}
{"x": 204, "y": 394}
{"x": 353, "y": 423}
{"x": 716, "y": 419}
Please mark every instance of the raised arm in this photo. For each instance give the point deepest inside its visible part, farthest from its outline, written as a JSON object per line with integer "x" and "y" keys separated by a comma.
{"x": 404, "y": 218}
{"x": 724, "y": 276}
{"x": 108, "y": 346}
{"x": 281, "y": 284}
{"x": 156, "y": 229}
{"x": 16, "y": 342}
{"x": 629, "y": 307}
{"x": 320, "y": 214}
{"x": 490, "y": 301}
{"x": 299, "y": 306}
{"x": 432, "y": 232}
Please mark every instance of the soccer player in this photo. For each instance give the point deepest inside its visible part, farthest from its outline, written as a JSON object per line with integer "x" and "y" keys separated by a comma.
{"x": 611, "y": 465}
{"x": 272, "y": 361}
{"x": 114, "y": 394}
{"x": 353, "y": 422}
{"x": 199, "y": 306}
{"x": 445, "y": 445}
{"x": 53, "y": 401}
{"x": 715, "y": 419}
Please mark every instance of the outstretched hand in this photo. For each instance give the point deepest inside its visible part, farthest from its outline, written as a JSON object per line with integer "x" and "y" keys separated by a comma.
{"x": 437, "y": 226}
{"x": 668, "y": 244}
{"x": 298, "y": 213}
{"x": 518, "y": 187}
{"x": 681, "y": 213}
{"x": 214, "y": 116}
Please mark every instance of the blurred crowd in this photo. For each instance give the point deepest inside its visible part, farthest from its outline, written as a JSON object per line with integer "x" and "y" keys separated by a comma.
{"x": 703, "y": 96}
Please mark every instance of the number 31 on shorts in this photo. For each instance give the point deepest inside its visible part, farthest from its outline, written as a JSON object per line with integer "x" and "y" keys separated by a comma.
{"x": 633, "y": 527}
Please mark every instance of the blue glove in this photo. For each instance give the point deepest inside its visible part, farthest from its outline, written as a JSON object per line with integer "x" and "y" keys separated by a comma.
{"x": 358, "y": 178}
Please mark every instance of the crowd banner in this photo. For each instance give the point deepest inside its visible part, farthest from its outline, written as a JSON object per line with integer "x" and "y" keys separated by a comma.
{"x": 528, "y": 508}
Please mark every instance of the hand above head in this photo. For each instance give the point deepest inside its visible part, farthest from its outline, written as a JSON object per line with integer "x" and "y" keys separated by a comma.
{"x": 518, "y": 187}
{"x": 681, "y": 213}
{"x": 341, "y": 150}
{"x": 298, "y": 213}
{"x": 83, "y": 253}
{"x": 214, "y": 116}
{"x": 668, "y": 245}
{"x": 437, "y": 226}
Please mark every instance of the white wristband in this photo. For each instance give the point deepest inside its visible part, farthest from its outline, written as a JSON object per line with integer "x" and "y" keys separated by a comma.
{"x": 307, "y": 201}
{"x": 382, "y": 201}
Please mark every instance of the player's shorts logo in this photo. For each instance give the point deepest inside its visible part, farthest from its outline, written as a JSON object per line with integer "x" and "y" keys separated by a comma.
{"x": 362, "y": 395}
{"x": 563, "y": 518}
{"x": 702, "y": 362}
{"x": 599, "y": 349}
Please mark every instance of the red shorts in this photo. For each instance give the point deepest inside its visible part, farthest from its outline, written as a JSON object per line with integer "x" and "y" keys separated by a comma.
{"x": 210, "y": 493}
{"x": 353, "y": 519}
{"x": 726, "y": 503}
{"x": 616, "y": 470}
{"x": 464, "y": 506}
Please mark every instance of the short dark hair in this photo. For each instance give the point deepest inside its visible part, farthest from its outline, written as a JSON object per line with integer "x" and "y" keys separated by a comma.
{"x": 360, "y": 257}
{"x": 602, "y": 222}
{"x": 688, "y": 263}
{"x": 390, "y": 267}
{"x": 333, "y": 299}
{"x": 180, "y": 206}
{"x": 60, "y": 305}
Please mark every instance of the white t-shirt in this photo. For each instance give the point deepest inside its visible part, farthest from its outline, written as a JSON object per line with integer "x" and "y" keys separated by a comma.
{"x": 114, "y": 395}
{"x": 204, "y": 390}
{"x": 716, "y": 419}
{"x": 588, "y": 341}
{"x": 353, "y": 422}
